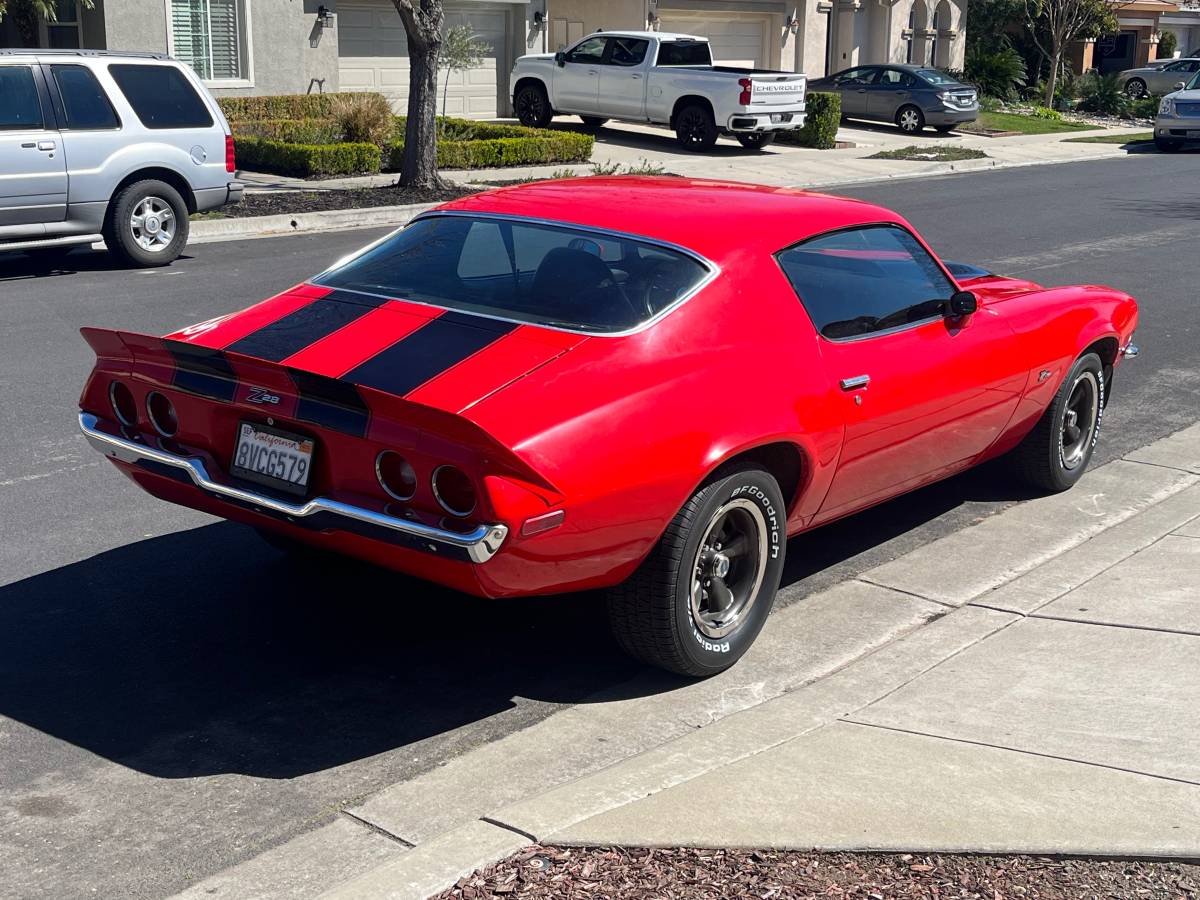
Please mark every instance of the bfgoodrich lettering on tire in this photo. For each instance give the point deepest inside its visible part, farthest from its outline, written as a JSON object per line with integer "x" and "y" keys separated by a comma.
{"x": 698, "y": 601}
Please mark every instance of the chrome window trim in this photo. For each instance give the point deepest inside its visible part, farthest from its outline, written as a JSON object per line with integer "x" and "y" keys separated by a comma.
{"x": 712, "y": 269}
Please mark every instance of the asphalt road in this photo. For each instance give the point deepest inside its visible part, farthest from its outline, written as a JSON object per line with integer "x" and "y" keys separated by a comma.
{"x": 176, "y": 697}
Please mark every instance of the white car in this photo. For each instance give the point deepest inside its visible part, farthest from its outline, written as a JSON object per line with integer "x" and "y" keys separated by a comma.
{"x": 650, "y": 76}
{"x": 1178, "y": 120}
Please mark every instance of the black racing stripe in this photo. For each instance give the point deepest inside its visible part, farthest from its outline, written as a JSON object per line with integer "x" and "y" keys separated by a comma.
{"x": 307, "y": 325}
{"x": 430, "y": 350}
{"x": 202, "y": 370}
{"x": 331, "y": 403}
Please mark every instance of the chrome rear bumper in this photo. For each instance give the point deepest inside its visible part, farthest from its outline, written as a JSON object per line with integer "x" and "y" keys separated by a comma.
{"x": 477, "y": 545}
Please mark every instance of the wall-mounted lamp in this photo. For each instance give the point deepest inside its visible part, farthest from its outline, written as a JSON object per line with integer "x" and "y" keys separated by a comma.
{"x": 792, "y": 24}
{"x": 653, "y": 21}
{"x": 539, "y": 20}
{"x": 325, "y": 16}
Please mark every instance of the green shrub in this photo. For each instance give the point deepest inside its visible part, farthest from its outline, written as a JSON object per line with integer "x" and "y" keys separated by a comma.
{"x": 1143, "y": 108}
{"x": 363, "y": 118}
{"x": 534, "y": 147}
{"x": 820, "y": 123}
{"x": 1045, "y": 112}
{"x": 1168, "y": 43}
{"x": 1101, "y": 94}
{"x": 294, "y": 131}
{"x": 282, "y": 106}
{"x": 995, "y": 73}
{"x": 307, "y": 160}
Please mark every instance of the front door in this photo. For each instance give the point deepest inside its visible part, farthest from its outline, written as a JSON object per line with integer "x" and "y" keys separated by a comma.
{"x": 891, "y": 90}
{"x": 852, "y": 85}
{"x": 33, "y": 170}
{"x": 577, "y": 81}
{"x": 623, "y": 78}
{"x": 922, "y": 393}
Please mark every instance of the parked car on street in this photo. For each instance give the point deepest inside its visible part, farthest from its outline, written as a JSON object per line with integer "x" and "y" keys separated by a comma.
{"x": 1178, "y": 119}
{"x": 669, "y": 79}
{"x": 1148, "y": 80}
{"x": 115, "y": 146}
{"x": 638, "y": 385}
{"x": 909, "y": 96}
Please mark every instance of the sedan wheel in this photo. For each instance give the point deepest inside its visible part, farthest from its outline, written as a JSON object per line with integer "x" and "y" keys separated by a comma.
{"x": 1135, "y": 88}
{"x": 910, "y": 119}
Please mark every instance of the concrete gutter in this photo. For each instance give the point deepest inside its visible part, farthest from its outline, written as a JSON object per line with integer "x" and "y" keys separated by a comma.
{"x": 206, "y": 231}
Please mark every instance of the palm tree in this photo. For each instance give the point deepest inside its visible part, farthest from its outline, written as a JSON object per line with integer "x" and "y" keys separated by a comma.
{"x": 26, "y": 13}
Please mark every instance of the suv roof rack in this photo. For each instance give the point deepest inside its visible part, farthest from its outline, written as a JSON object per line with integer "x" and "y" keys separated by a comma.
{"x": 37, "y": 51}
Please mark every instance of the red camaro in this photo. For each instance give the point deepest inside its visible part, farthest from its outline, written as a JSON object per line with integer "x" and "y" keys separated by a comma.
{"x": 640, "y": 385}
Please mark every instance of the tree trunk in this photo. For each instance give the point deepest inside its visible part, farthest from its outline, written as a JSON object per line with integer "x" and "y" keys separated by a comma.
{"x": 423, "y": 27}
{"x": 1052, "y": 81}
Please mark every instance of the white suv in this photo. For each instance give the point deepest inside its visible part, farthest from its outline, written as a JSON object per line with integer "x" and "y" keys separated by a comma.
{"x": 119, "y": 146}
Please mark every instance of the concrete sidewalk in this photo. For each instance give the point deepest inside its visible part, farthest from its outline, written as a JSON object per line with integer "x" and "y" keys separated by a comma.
{"x": 1047, "y": 705}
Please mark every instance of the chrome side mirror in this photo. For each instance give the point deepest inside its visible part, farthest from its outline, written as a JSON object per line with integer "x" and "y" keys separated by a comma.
{"x": 1180, "y": 85}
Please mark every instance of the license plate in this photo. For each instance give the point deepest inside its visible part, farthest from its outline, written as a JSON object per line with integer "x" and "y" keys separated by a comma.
{"x": 272, "y": 457}
{"x": 1194, "y": 135}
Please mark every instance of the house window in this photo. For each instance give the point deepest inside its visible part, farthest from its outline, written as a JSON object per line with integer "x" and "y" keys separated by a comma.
{"x": 63, "y": 32}
{"x": 212, "y": 37}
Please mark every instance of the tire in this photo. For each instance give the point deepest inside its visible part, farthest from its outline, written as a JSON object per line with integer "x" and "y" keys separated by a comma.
{"x": 533, "y": 106}
{"x": 652, "y": 613}
{"x": 694, "y": 128}
{"x": 160, "y": 240}
{"x": 1135, "y": 88}
{"x": 1054, "y": 455}
{"x": 943, "y": 129}
{"x": 910, "y": 119}
{"x": 592, "y": 122}
{"x": 756, "y": 140}
{"x": 1166, "y": 145}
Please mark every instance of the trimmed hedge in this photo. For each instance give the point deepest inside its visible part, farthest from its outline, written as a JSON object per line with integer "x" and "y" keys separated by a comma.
{"x": 820, "y": 122}
{"x": 281, "y": 106}
{"x": 306, "y": 160}
{"x": 542, "y": 146}
{"x": 293, "y": 131}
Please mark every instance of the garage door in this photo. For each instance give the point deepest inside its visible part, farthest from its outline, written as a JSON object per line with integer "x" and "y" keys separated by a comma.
{"x": 373, "y": 56}
{"x": 736, "y": 40}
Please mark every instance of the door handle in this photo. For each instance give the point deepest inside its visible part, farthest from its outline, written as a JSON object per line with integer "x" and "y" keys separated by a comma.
{"x": 862, "y": 90}
{"x": 636, "y": 77}
{"x": 853, "y": 384}
{"x": 593, "y": 72}
{"x": 46, "y": 145}
{"x": 29, "y": 146}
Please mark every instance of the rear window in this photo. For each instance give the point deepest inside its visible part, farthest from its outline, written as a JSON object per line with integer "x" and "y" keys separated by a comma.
{"x": 161, "y": 96}
{"x": 86, "y": 104}
{"x": 552, "y": 275}
{"x": 933, "y": 76}
{"x": 684, "y": 53}
{"x": 20, "y": 108}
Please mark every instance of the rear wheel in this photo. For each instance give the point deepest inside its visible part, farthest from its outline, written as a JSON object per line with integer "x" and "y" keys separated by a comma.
{"x": 592, "y": 122}
{"x": 147, "y": 224}
{"x": 1135, "y": 88}
{"x": 533, "y": 106}
{"x": 755, "y": 140}
{"x": 943, "y": 129}
{"x": 700, "y": 598}
{"x": 1054, "y": 455}
{"x": 1166, "y": 145}
{"x": 695, "y": 128}
{"x": 910, "y": 119}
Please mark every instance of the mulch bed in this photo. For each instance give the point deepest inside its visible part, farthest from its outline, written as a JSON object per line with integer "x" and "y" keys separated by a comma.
{"x": 291, "y": 202}
{"x": 567, "y": 872}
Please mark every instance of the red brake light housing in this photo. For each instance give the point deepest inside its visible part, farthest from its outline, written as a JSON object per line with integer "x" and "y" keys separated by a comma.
{"x": 745, "y": 84}
{"x": 230, "y": 163}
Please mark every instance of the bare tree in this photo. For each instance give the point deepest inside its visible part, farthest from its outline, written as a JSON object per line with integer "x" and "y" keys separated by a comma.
{"x": 1053, "y": 24}
{"x": 461, "y": 51}
{"x": 423, "y": 22}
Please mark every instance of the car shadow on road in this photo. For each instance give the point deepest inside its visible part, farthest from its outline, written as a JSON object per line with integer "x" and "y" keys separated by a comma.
{"x": 17, "y": 266}
{"x": 205, "y": 651}
{"x": 659, "y": 141}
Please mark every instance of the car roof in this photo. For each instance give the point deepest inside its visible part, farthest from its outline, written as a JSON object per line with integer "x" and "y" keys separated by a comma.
{"x": 657, "y": 35}
{"x": 716, "y": 219}
{"x": 37, "y": 52}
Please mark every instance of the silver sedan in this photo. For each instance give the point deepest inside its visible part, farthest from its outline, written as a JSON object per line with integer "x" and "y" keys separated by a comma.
{"x": 1157, "y": 79}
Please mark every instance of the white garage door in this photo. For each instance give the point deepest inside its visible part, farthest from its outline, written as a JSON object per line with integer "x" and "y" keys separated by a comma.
{"x": 736, "y": 40}
{"x": 373, "y": 56}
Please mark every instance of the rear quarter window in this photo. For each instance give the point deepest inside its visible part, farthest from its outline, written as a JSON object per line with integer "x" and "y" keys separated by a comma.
{"x": 161, "y": 96}
{"x": 86, "y": 104}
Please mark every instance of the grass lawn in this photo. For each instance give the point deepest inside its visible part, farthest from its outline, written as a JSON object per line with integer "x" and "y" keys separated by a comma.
{"x": 1142, "y": 137}
{"x": 999, "y": 121}
{"x": 930, "y": 154}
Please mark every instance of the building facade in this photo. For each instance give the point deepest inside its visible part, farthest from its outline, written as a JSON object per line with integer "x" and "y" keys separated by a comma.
{"x": 307, "y": 46}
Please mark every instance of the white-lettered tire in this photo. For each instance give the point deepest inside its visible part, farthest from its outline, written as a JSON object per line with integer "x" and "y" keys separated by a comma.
{"x": 147, "y": 224}
{"x": 1055, "y": 454}
{"x": 700, "y": 598}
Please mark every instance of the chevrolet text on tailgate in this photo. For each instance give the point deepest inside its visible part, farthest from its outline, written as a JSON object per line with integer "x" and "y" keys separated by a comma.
{"x": 668, "y": 79}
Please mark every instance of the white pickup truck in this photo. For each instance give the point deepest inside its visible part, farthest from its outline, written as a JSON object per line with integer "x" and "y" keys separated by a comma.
{"x": 650, "y": 76}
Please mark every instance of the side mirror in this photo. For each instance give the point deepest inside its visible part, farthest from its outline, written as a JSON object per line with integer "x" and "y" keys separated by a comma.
{"x": 561, "y": 58}
{"x": 1180, "y": 85}
{"x": 962, "y": 303}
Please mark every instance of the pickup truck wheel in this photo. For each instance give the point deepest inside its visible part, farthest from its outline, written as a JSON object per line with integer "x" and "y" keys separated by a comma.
{"x": 533, "y": 106}
{"x": 147, "y": 224}
{"x": 756, "y": 140}
{"x": 700, "y": 598}
{"x": 695, "y": 128}
{"x": 592, "y": 122}
{"x": 910, "y": 119}
{"x": 1054, "y": 455}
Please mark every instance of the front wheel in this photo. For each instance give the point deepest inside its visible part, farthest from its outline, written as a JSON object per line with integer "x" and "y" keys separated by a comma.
{"x": 756, "y": 140}
{"x": 910, "y": 119}
{"x": 533, "y": 106}
{"x": 147, "y": 224}
{"x": 700, "y": 598}
{"x": 1054, "y": 455}
{"x": 695, "y": 128}
{"x": 592, "y": 122}
{"x": 943, "y": 129}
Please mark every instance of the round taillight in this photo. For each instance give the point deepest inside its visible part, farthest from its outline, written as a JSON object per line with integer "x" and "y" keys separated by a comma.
{"x": 396, "y": 475}
{"x": 162, "y": 414}
{"x": 123, "y": 404}
{"x": 454, "y": 490}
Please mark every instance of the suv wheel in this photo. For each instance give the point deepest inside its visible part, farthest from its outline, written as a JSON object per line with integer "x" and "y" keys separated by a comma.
{"x": 147, "y": 224}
